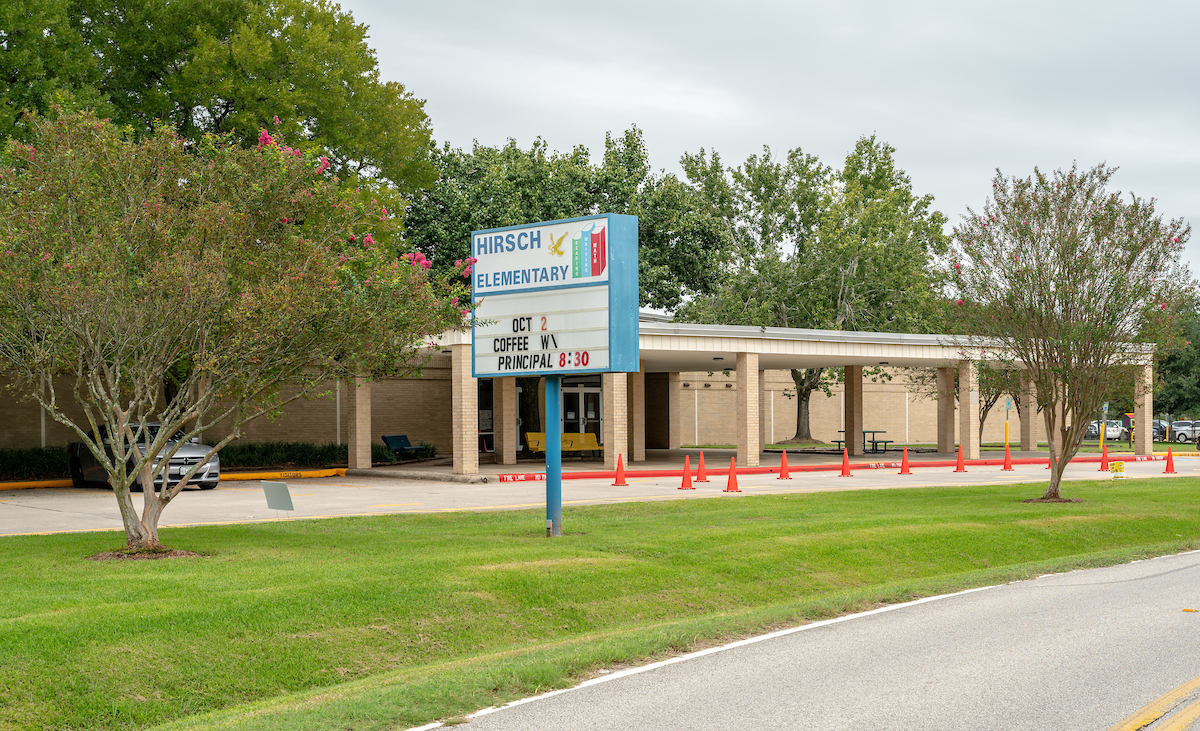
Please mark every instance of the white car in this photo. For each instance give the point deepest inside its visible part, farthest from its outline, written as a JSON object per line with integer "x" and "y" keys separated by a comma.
{"x": 1113, "y": 430}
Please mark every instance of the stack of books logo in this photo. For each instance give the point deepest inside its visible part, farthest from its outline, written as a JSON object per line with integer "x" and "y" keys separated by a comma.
{"x": 588, "y": 253}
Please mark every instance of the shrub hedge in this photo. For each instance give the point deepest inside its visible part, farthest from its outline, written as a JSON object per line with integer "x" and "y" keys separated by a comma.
{"x": 50, "y": 463}
{"x": 37, "y": 463}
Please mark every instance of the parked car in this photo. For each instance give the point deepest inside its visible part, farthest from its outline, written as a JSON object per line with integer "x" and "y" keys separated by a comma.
{"x": 1183, "y": 431}
{"x": 1160, "y": 430}
{"x": 86, "y": 470}
{"x": 1113, "y": 429}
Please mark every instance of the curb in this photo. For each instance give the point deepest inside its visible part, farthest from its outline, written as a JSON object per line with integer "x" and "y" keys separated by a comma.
{"x": 35, "y": 484}
{"x": 420, "y": 476}
{"x": 225, "y": 477}
{"x": 541, "y": 476}
{"x": 288, "y": 475}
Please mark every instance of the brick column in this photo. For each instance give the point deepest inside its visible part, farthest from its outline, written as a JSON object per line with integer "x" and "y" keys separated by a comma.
{"x": 1143, "y": 410}
{"x": 764, "y": 411}
{"x": 968, "y": 410}
{"x": 504, "y": 418}
{"x": 464, "y": 411}
{"x": 945, "y": 409}
{"x": 1029, "y": 413}
{"x": 674, "y": 411}
{"x": 359, "y": 438}
{"x": 615, "y": 406}
{"x": 637, "y": 415}
{"x": 854, "y": 409}
{"x": 748, "y": 447}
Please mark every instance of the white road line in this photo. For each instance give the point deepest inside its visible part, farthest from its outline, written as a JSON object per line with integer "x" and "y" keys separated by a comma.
{"x": 708, "y": 651}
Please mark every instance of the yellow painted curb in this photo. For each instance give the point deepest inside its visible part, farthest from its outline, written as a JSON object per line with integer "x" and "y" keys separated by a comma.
{"x": 291, "y": 475}
{"x": 29, "y": 485}
{"x": 227, "y": 476}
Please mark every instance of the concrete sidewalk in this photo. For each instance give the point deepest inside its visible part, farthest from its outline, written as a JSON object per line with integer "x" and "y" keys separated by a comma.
{"x": 672, "y": 459}
{"x": 58, "y": 510}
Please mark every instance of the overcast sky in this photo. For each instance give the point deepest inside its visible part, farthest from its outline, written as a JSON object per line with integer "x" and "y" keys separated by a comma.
{"x": 958, "y": 88}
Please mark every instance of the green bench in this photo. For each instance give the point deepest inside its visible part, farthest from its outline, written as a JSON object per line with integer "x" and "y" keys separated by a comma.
{"x": 399, "y": 446}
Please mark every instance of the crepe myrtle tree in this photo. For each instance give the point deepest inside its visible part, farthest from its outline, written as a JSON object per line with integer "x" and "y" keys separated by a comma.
{"x": 249, "y": 274}
{"x": 1075, "y": 281}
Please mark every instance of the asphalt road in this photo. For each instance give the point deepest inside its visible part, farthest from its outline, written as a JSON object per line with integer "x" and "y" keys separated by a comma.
{"x": 56, "y": 510}
{"x": 1082, "y": 650}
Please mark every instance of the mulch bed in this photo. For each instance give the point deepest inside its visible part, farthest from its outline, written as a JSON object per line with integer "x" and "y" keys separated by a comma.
{"x": 1054, "y": 500}
{"x": 143, "y": 555}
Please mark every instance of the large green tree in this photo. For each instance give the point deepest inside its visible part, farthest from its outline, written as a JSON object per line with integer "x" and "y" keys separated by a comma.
{"x": 680, "y": 239}
{"x": 43, "y": 62}
{"x": 1179, "y": 389}
{"x": 818, "y": 248}
{"x": 248, "y": 272}
{"x": 221, "y": 66}
{"x": 1073, "y": 280}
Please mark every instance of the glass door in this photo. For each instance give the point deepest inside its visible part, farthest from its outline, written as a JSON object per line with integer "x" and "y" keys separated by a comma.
{"x": 592, "y": 419}
{"x": 571, "y": 414}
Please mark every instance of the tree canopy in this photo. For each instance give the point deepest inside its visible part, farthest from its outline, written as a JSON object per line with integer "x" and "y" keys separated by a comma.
{"x": 249, "y": 273}
{"x": 1067, "y": 277}
{"x": 1179, "y": 392}
{"x": 219, "y": 66}
{"x": 680, "y": 241}
{"x": 818, "y": 248}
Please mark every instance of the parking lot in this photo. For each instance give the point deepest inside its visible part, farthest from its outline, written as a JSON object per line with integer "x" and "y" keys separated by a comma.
{"x": 56, "y": 510}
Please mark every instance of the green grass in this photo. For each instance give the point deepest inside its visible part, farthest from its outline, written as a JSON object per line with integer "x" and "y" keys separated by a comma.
{"x": 388, "y": 622}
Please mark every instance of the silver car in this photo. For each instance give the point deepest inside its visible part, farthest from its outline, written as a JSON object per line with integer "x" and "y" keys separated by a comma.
{"x": 1113, "y": 429}
{"x": 1183, "y": 431}
{"x": 86, "y": 470}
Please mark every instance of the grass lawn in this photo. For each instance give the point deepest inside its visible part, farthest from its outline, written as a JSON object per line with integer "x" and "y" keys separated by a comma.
{"x": 388, "y": 622}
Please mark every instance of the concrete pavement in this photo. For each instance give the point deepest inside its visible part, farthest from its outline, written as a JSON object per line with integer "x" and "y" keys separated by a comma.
{"x": 56, "y": 510}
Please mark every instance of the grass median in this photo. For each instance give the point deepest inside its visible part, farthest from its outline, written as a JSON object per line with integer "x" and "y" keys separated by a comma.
{"x": 388, "y": 622}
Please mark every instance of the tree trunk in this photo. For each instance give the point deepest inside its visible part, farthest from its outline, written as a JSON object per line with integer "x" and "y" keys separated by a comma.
{"x": 531, "y": 413}
{"x": 806, "y": 381}
{"x": 1057, "y": 464}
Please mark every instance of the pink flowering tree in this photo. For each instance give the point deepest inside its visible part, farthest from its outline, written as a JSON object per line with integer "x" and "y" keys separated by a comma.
{"x": 1076, "y": 282}
{"x": 247, "y": 277}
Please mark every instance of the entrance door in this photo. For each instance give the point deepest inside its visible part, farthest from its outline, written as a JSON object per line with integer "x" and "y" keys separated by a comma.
{"x": 581, "y": 412}
{"x": 571, "y": 412}
{"x": 591, "y": 414}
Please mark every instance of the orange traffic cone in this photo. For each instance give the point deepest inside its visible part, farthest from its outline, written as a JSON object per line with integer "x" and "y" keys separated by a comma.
{"x": 687, "y": 473}
{"x": 701, "y": 475}
{"x": 783, "y": 473}
{"x": 1104, "y": 458}
{"x": 731, "y": 486}
{"x": 1170, "y": 470}
{"x": 845, "y": 464}
{"x": 1007, "y": 460}
{"x": 620, "y": 473}
{"x": 904, "y": 470}
{"x": 960, "y": 467}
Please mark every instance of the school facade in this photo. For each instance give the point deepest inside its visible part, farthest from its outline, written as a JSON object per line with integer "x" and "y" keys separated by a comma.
{"x": 698, "y": 385}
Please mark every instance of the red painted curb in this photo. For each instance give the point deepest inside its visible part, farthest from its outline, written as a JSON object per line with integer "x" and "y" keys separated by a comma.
{"x": 541, "y": 476}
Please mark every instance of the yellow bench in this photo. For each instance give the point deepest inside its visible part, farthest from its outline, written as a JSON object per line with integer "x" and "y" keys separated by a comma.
{"x": 585, "y": 442}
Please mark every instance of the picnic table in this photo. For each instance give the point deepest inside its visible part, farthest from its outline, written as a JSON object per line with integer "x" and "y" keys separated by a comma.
{"x": 877, "y": 444}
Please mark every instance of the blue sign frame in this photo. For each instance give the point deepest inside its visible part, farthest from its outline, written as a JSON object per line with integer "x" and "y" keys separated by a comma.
{"x": 621, "y": 280}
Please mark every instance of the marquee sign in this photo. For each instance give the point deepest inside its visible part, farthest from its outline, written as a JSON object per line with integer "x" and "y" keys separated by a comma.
{"x": 558, "y": 297}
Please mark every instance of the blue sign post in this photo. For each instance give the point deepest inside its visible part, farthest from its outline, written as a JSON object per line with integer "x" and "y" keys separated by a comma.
{"x": 553, "y": 456}
{"x": 556, "y": 298}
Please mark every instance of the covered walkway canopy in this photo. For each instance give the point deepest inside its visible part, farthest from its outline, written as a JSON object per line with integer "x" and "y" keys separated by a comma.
{"x": 676, "y": 348}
